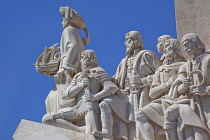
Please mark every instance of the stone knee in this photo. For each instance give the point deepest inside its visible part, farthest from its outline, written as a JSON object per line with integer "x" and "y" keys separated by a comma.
{"x": 47, "y": 118}
{"x": 104, "y": 107}
{"x": 141, "y": 116}
{"x": 171, "y": 116}
{"x": 171, "y": 113}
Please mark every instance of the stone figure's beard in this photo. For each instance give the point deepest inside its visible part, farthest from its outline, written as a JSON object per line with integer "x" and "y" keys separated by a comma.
{"x": 168, "y": 59}
{"x": 84, "y": 66}
{"x": 131, "y": 47}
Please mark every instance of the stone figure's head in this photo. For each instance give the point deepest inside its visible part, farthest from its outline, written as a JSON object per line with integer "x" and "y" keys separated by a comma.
{"x": 172, "y": 51}
{"x": 133, "y": 40}
{"x": 192, "y": 44}
{"x": 161, "y": 41}
{"x": 88, "y": 58}
{"x": 71, "y": 18}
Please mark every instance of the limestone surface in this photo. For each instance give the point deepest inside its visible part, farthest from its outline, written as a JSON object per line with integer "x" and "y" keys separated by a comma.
{"x": 28, "y": 130}
{"x": 193, "y": 16}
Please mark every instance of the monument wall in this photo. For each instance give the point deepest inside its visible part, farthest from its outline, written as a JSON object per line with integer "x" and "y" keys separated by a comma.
{"x": 193, "y": 16}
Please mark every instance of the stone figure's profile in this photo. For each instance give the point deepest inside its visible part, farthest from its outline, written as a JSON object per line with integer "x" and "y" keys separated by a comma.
{"x": 160, "y": 46}
{"x": 71, "y": 44}
{"x": 150, "y": 118}
{"x": 189, "y": 116}
{"x": 136, "y": 70}
{"x": 89, "y": 88}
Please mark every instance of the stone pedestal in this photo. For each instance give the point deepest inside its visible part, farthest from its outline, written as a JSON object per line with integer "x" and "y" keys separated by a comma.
{"x": 193, "y": 16}
{"x": 28, "y": 130}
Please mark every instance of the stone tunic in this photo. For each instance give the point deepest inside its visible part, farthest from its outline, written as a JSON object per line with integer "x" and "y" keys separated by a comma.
{"x": 154, "y": 111}
{"x": 199, "y": 105}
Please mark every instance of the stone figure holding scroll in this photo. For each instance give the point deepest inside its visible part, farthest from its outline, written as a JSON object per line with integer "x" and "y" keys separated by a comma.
{"x": 189, "y": 116}
{"x": 88, "y": 88}
{"x": 150, "y": 118}
{"x": 137, "y": 67}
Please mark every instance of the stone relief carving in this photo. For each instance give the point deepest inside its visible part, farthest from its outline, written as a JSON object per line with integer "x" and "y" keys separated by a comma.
{"x": 147, "y": 99}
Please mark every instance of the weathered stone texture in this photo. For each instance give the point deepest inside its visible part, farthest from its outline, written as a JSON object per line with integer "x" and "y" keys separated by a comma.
{"x": 193, "y": 16}
{"x": 28, "y": 130}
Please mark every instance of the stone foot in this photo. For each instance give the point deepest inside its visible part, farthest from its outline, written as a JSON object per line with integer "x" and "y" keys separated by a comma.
{"x": 102, "y": 135}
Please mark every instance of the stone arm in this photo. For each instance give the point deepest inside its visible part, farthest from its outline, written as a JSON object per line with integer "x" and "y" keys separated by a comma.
{"x": 71, "y": 43}
{"x": 109, "y": 88}
{"x": 74, "y": 89}
{"x": 146, "y": 67}
{"x": 182, "y": 74}
{"x": 157, "y": 88}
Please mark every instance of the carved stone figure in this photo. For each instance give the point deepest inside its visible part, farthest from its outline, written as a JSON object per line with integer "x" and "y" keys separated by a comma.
{"x": 189, "y": 116}
{"x": 160, "y": 46}
{"x": 89, "y": 88}
{"x": 150, "y": 118}
{"x": 137, "y": 67}
{"x": 71, "y": 46}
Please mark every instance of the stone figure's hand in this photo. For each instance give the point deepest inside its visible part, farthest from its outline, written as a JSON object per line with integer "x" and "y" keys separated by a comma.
{"x": 170, "y": 82}
{"x": 84, "y": 82}
{"x": 89, "y": 97}
{"x": 125, "y": 91}
{"x": 198, "y": 90}
{"x": 60, "y": 75}
{"x": 135, "y": 80}
{"x": 186, "y": 82}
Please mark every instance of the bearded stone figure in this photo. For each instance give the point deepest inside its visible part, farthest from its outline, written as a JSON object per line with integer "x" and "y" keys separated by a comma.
{"x": 134, "y": 75}
{"x": 150, "y": 119}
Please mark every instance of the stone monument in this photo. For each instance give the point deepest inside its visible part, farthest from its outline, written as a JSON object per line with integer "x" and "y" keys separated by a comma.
{"x": 193, "y": 16}
{"x": 147, "y": 99}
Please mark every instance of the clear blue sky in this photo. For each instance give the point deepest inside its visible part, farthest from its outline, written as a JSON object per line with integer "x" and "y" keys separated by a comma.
{"x": 27, "y": 26}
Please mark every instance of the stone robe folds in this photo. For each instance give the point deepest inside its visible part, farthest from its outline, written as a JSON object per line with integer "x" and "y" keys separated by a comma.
{"x": 198, "y": 108}
{"x": 99, "y": 83}
{"x": 155, "y": 110}
{"x": 144, "y": 65}
{"x": 71, "y": 47}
